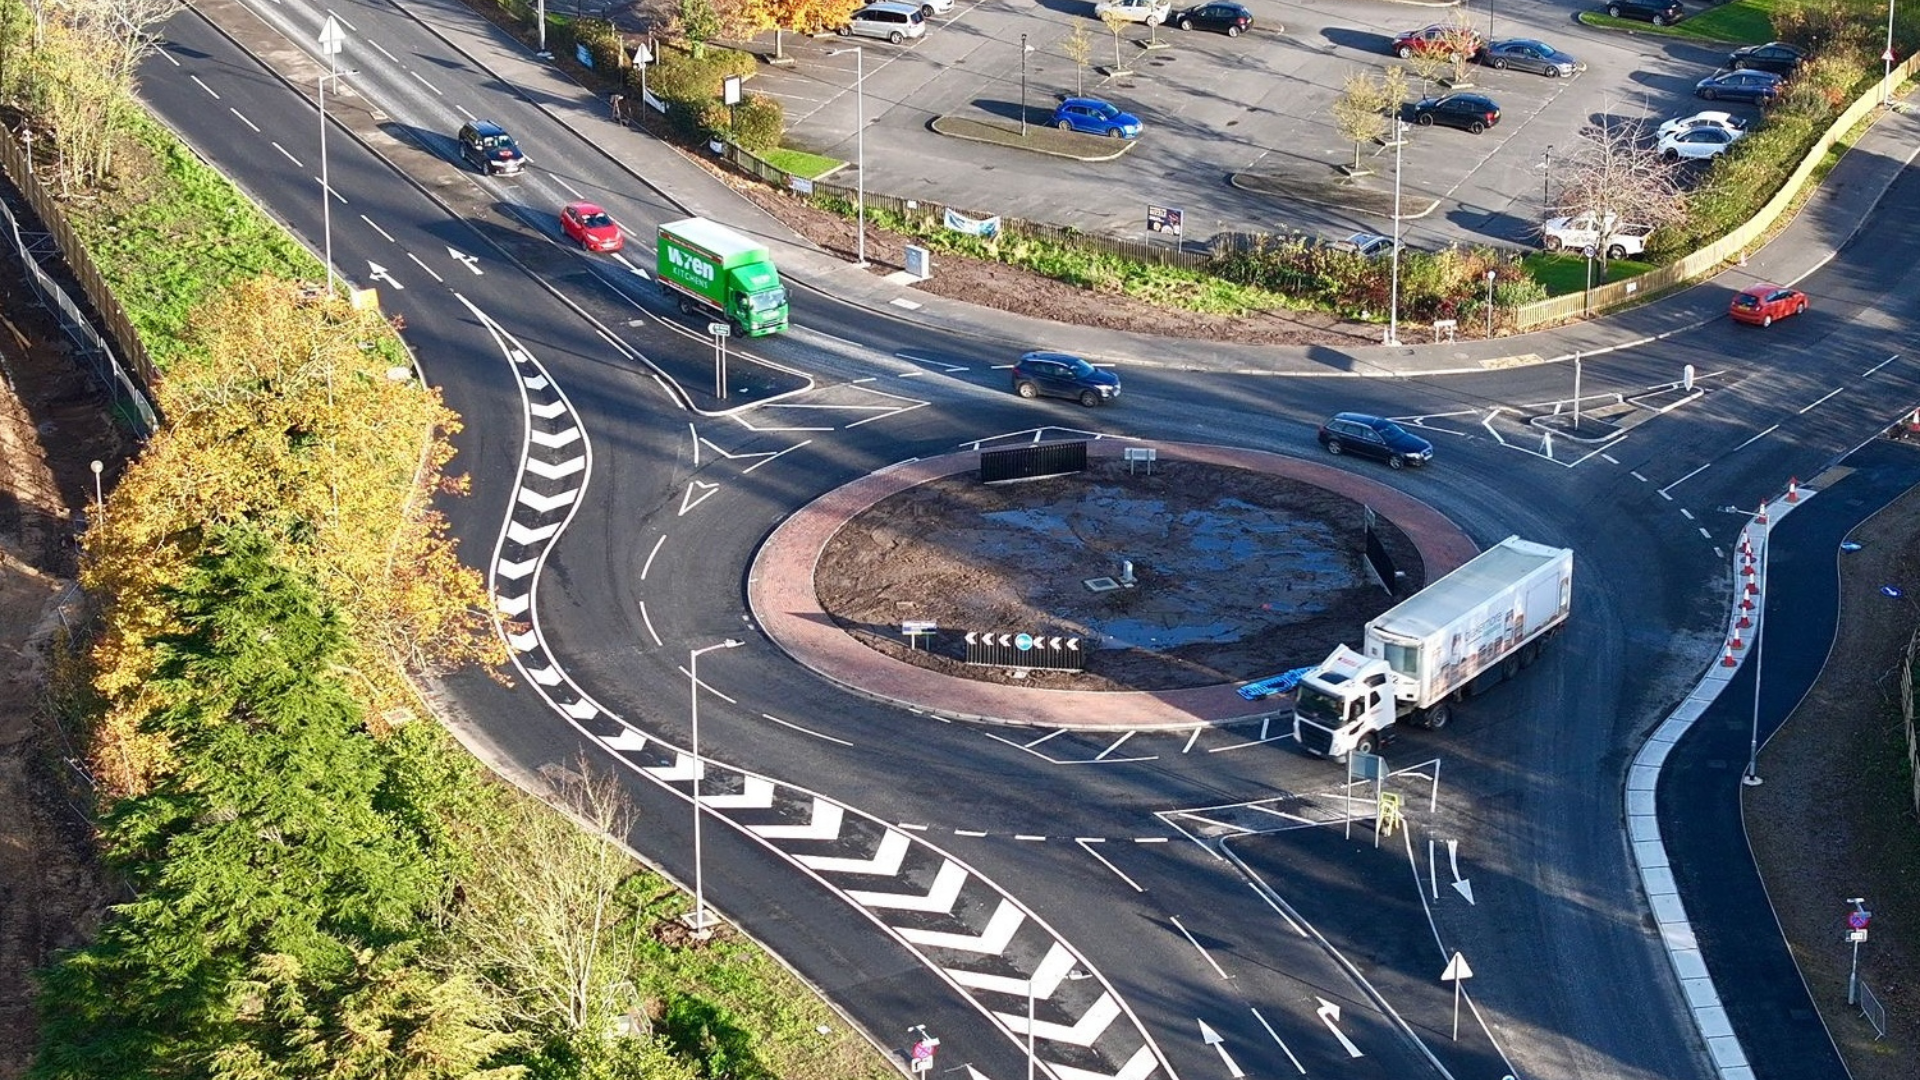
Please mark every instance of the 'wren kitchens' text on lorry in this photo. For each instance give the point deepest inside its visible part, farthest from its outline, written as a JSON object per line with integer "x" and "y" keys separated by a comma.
{"x": 718, "y": 273}
{"x": 1472, "y": 628}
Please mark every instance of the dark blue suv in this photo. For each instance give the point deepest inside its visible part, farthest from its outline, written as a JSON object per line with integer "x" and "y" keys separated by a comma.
{"x": 1051, "y": 374}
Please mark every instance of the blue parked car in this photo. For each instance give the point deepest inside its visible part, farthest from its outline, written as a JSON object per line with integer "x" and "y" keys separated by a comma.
{"x": 1758, "y": 87}
{"x": 1091, "y": 116}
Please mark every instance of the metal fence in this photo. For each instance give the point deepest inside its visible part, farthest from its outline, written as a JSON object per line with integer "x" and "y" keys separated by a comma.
{"x": 105, "y": 359}
{"x": 1907, "y": 675}
{"x": 102, "y": 357}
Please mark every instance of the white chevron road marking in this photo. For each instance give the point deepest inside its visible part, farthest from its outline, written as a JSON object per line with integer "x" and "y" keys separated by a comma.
{"x": 887, "y": 860}
{"x": 1091, "y": 1025}
{"x": 940, "y": 898}
{"x": 625, "y": 739}
{"x": 555, "y": 440}
{"x": 512, "y": 605}
{"x": 555, "y": 472}
{"x": 1046, "y": 978}
{"x": 526, "y": 642}
{"x": 991, "y": 941}
{"x": 755, "y": 794}
{"x": 514, "y": 571}
{"x": 544, "y": 503}
{"x": 522, "y": 535}
{"x": 546, "y": 676}
{"x": 1139, "y": 1067}
{"x": 581, "y": 710}
{"x": 547, "y": 410}
{"x": 535, "y": 382}
{"x": 824, "y": 826}
{"x": 682, "y": 770}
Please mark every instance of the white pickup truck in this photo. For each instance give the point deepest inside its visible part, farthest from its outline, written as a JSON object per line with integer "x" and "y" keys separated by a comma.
{"x": 1583, "y": 231}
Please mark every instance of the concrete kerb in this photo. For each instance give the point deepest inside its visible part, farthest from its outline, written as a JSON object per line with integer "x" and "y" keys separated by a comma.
{"x": 784, "y": 604}
{"x": 1019, "y": 144}
{"x": 1643, "y": 825}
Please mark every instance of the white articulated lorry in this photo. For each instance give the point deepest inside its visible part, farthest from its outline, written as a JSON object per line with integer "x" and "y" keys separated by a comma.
{"x": 1473, "y": 627}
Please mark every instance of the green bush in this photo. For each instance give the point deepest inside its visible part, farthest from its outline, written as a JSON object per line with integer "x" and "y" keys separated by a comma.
{"x": 676, "y": 75}
{"x": 759, "y": 123}
{"x": 601, "y": 39}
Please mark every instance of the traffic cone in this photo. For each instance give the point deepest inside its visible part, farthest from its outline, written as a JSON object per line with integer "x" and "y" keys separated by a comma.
{"x": 1793, "y": 489}
{"x": 1735, "y": 642}
{"x": 1746, "y": 543}
{"x": 1746, "y": 603}
{"x": 1746, "y": 567}
{"x": 1761, "y": 517}
{"x": 1744, "y": 622}
{"x": 1728, "y": 660}
{"x": 1752, "y": 589}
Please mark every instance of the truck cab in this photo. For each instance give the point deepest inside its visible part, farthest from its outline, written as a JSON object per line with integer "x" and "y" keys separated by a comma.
{"x": 1344, "y": 705}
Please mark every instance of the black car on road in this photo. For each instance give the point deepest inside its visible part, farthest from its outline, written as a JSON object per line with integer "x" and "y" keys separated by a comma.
{"x": 1473, "y": 113}
{"x": 1374, "y": 437}
{"x": 1657, "y": 12}
{"x": 487, "y": 147}
{"x": 1229, "y": 19}
{"x": 1062, "y": 375}
{"x": 1775, "y": 56}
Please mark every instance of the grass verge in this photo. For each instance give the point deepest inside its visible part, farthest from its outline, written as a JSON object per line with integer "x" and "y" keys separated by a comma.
{"x": 800, "y": 163}
{"x": 1747, "y": 22}
{"x": 1561, "y": 273}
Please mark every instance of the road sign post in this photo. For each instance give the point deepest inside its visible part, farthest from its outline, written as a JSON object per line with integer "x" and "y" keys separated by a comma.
{"x": 1857, "y": 921}
{"x": 719, "y": 330}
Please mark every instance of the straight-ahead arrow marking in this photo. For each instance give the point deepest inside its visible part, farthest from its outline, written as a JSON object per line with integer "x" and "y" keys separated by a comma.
{"x": 522, "y": 535}
{"x": 1139, "y": 1067}
{"x": 471, "y": 261}
{"x": 1329, "y": 1014}
{"x": 682, "y": 770}
{"x": 887, "y": 860}
{"x": 555, "y": 472}
{"x": 1046, "y": 978}
{"x": 1091, "y": 1025}
{"x": 756, "y": 793}
{"x": 1212, "y": 1038}
{"x": 939, "y": 898}
{"x": 556, "y": 439}
{"x": 824, "y": 826}
{"x": 546, "y": 503}
{"x": 992, "y": 941}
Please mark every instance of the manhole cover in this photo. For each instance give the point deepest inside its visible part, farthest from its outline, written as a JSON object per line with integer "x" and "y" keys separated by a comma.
{"x": 1102, "y": 584}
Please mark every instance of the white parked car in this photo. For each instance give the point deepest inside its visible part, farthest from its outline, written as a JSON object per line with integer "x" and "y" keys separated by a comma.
{"x": 1701, "y": 143}
{"x": 1714, "y": 118}
{"x": 1151, "y": 12}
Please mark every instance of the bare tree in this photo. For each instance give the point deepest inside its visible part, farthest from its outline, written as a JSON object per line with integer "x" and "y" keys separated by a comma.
{"x": 1118, "y": 24}
{"x": 1429, "y": 66}
{"x": 1079, "y": 48}
{"x": 1462, "y": 44}
{"x": 1360, "y": 113}
{"x": 1615, "y": 175}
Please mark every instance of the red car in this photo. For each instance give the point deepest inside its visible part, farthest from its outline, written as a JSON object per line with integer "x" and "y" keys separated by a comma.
{"x": 1438, "y": 39}
{"x": 591, "y": 226}
{"x": 1762, "y": 304}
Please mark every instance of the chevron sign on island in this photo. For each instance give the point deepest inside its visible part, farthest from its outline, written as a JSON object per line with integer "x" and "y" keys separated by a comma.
{"x": 1050, "y": 652}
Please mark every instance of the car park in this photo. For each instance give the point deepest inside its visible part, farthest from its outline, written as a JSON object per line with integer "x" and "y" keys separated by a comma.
{"x": 1150, "y": 12}
{"x": 1438, "y": 39}
{"x": 1473, "y": 113}
{"x": 888, "y": 21}
{"x": 1757, "y": 87}
{"x": 486, "y": 146}
{"x": 1775, "y": 56}
{"x": 1761, "y": 304}
{"x": 1229, "y": 19}
{"x": 1710, "y": 118}
{"x": 1702, "y": 143}
{"x": 1063, "y": 375}
{"x": 1091, "y": 116}
{"x": 591, "y": 227}
{"x": 1657, "y": 12}
{"x": 1525, "y": 54}
{"x": 1374, "y": 437}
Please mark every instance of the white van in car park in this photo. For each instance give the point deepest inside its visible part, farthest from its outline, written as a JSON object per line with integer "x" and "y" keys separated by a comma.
{"x": 894, "y": 22}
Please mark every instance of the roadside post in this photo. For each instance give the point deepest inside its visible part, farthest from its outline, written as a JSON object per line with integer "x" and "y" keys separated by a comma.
{"x": 720, "y": 331}
{"x": 1857, "y": 921}
{"x": 920, "y": 1058}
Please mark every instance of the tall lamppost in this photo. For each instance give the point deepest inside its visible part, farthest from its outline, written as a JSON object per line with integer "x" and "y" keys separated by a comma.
{"x": 1489, "y": 22}
{"x": 860, "y": 147}
{"x": 1024, "y": 50}
{"x": 332, "y": 40}
{"x": 1887, "y": 57}
{"x": 700, "y": 921}
{"x": 1032, "y": 1061}
{"x": 1546, "y": 178}
{"x": 1393, "y": 297}
{"x": 1490, "y": 276}
{"x": 99, "y": 499}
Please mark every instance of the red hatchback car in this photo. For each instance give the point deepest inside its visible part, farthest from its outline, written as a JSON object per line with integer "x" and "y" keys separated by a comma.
{"x": 591, "y": 227}
{"x": 1762, "y": 304}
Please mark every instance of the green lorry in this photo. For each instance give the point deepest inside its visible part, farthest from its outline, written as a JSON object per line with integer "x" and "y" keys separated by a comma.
{"x": 716, "y": 272}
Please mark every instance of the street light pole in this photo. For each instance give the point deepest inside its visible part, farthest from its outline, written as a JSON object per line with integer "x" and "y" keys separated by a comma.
{"x": 700, "y": 920}
{"x": 1490, "y": 276}
{"x": 1546, "y": 179}
{"x": 1023, "y": 70}
{"x": 1887, "y": 57}
{"x": 860, "y": 149}
{"x": 1393, "y": 298}
{"x": 332, "y": 40}
{"x": 99, "y": 500}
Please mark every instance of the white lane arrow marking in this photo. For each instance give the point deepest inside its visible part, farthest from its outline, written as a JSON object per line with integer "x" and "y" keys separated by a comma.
{"x": 824, "y": 826}
{"x": 523, "y": 536}
{"x": 1212, "y": 1038}
{"x": 992, "y": 941}
{"x": 544, "y": 503}
{"x": 545, "y": 676}
{"x": 555, "y": 472}
{"x": 1139, "y": 1067}
{"x": 626, "y": 739}
{"x": 1329, "y": 1014}
{"x": 1091, "y": 1025}
{"x": 683, "y": 770}
{"x": 380, "y": 273}
{"x": 1046, "y": 978}
{"x": 886, "y": 860}
{"x": 547, "y": 410}
{"x": 756, "y": 793}
{"x": 512, "y": 605}
{"x": 939, "y": 899}
{"x": 556, "y": 440}
{"x": 472, "y": 261}
{"x": 1456, "y": 969}
{"x": 514, "y": 571}
{"x": 581, "y": 710}
{"x": 688, "y": 502}
{"x": 1460, "y": 884}
{"x": 526, "y": 642}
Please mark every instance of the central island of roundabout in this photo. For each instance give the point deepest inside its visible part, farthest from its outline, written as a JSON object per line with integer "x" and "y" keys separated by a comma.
{"x": 1179, "y": 578}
